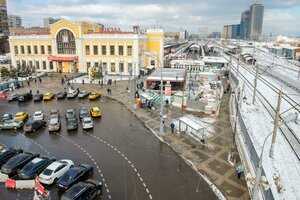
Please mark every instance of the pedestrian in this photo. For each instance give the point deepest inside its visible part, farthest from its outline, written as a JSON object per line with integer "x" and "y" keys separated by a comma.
{"x": 35, "y": 80}
{"x": 137, "y": 86}
{"x": 239, "y": 169}
{"x": 28, "y": 83}
{"x": 30, "y": 91}
{"x": 22, "y": 84}
{"x": 172, "y": 126}
{"x": 107, "y": 90}
{"x": 115, "y": 81}
{"x": 99, "y": 82}
{"x": 228, "y": 86}
{"x": 167, "y": 102}
{"x": 62, "y": 81}
{"x": 37, "y": 91}
{"x": 82, "y": 82}
{"x": 127, "y": 89}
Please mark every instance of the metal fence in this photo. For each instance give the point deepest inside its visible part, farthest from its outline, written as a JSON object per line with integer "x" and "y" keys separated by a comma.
{"x": 253, "y": 154}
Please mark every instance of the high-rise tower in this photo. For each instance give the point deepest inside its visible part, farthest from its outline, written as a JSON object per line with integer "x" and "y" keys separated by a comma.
{"x": 256, "y": 20}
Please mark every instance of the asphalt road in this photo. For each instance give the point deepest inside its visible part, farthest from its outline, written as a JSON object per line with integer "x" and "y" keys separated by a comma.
{"x": 127, "y": 158}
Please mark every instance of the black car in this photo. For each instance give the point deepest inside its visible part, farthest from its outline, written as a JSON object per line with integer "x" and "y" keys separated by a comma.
{"x": 32, "y": 126}
{"x": 61, "y": 95}
{"x": 38, "y": 97}
{"x": 85, "y": 190}
{"x": 84, "y": 112}
{"x": 17, "y": 162}
{"x": 8, "y": 153}
{"x": 25, "y": 97}
{"x": 74, "y": 175}
{"x": 72, "y": 124}
{"x": 33, "y": 168}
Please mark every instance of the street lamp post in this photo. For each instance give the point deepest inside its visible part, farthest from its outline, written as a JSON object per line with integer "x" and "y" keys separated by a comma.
{"x": 290, "y": 117}
{"x": 155, "y": 55}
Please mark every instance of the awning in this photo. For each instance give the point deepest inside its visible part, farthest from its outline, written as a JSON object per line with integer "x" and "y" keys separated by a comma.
{"x": 63, "y": 58}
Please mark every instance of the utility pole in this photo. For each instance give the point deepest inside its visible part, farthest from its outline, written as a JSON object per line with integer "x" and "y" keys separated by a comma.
{"x": 183, "y": 89}
{"x": 237, "y": 69}
{"x": 230, "y": 66}
{"x": 130, "y": 87}
{"x": 241, "y": 95}
{"x": 253, "y": 56}
{"x": 255, "y": 84}
{"x": 276, "y": 120}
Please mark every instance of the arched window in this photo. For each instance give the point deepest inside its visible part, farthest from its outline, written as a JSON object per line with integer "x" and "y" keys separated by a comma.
{"x": 65, "y": 41}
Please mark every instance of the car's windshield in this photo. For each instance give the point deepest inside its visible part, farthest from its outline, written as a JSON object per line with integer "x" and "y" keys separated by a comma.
{"x": 19, "y": 115}
{"x": 47, "y": 172}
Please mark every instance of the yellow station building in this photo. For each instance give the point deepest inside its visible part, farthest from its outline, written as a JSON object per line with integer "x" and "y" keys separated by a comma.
{"x": 76, "y": 46}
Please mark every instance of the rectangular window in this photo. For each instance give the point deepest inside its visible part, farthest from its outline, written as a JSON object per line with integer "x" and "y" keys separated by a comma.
{"x": 87, "y": 50}
{"x": 35, "y": 49}
{"x": 152, "y": 62}
{"x": 121, "y": 67}
{"x": 130, "y": 68}
{"x": 95, "y": 50}
{"x": 51, "y": 65}
{"x": 30, "y": 64}
{"x": 42, "y": 49}
{"x": 121, "y": 51}
{"x": 23, "y": 63}
{"x": 104, "y": 68}
{"x": 112, "y": 67}
{"x": 18, "y": 64}
{"x": 37, "y": 64}
{"x": 112, "y": 49}
{"x": 103, "y": 47}
{"x": 22, "y": 50}
{"x": 44, "y": 64}
{"x": 88, "y": 65}
{"x": 49, "y": 50}
{"x": 96, "y": 64}
{"x": 28, "y": 49}
{"x": 129, "y": 50}
{"x": 16, "y": 50}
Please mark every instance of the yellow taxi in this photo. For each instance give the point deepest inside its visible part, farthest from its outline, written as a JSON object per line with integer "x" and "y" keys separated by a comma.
{"x": 21, "y": 116}
{"x": 48, "y": 96}
{"x": 95, "y": 112}
{"x": 94, "y": 95}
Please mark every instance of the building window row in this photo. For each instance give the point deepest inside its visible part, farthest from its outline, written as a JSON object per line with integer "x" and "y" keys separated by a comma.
{"x": 112, "y": 50}
{"x": 113, "y": 67}
{"x": 33, "y": 49}
{"x": 35, "y": 64}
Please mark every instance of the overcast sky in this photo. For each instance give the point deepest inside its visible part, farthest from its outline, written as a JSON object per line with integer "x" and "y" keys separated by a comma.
{"x": 281, "y": 16}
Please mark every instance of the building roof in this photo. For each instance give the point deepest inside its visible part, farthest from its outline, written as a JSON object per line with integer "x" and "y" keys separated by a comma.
{"x": 168, "y": 74}
{"x": 30, "y": 31}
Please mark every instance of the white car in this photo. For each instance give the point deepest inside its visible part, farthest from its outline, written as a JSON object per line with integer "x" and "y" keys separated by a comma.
{"x": 72, "y": 94}
{"x": 87, "y": 123}
{"x": 38, "y": 115}
{"x": 54, "y": 171}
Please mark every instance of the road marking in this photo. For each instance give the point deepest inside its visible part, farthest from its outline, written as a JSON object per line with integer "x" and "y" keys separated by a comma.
{"x": 37, "y": 144}
{"x": 123, "y": 156}
{"x": 87, "y": 153}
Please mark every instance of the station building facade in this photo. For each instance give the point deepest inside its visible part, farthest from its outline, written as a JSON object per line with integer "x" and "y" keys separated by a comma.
{"x": 72, "y": 47}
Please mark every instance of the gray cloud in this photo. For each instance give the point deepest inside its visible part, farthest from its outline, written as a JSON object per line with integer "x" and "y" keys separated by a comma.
{"x": 189, "y": 14}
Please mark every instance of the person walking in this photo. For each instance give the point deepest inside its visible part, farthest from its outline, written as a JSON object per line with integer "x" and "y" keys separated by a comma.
{"x": 239, "y": 169}
{"x": 37, "y": 91}
{"x": 30, "y": 91}
{"x": 82, "y": 82}
{"x": 172, "y": 126}
{"x": 28, "y": 83}
{"x": 107, "y": 90}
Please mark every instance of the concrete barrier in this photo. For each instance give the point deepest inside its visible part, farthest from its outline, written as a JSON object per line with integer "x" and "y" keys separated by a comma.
{"x": 25, "y": 184}
{"x": 3, "y": 177}
{"x": 9, "y": 183}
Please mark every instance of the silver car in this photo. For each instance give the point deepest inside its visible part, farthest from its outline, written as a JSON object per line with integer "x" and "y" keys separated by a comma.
{"x": 54, "y": 124}
{"x": 54, "y": 114}
{"x": 11, "y": 124}
{"x": 12, "y": 97}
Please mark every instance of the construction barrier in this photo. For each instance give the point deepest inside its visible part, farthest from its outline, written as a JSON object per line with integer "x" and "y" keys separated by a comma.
{"x": 9, "y": 183}
{"x": 25, "y": 184}
{"x": 3, "y": 177}
{"x": 38, "y": 187}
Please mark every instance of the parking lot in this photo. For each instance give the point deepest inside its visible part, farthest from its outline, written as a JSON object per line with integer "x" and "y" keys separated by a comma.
{"x": 128, "y": 159}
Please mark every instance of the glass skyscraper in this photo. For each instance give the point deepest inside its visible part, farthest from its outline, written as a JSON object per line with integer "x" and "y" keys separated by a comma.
{"x": 256, "y": 21}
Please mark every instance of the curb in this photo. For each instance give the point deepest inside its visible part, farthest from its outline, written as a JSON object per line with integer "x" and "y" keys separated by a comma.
{"x": 214, "y": 188}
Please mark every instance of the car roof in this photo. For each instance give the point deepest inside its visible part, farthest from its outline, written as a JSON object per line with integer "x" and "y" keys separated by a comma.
{"x": 87, "y": 118}
{"x": 55, "y": 119}
{"x": 47, "y": 93}
{"x": 36, "y": 160}
{"x": 20, "y": 113}
{"x": 38, "y": 112}
{"x": 54, "y": 165}
{"x": 70, "y": 110}
{"x": 95, "y": 108}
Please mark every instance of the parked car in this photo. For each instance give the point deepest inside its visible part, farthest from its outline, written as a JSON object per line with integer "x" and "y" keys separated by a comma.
{"x": 33, "y": 126}
{"x": 54, "y": 171}
{"x": 54, "y": 124}
{"x": 38, "y": 97}
{"x": 71, "y": 94}
{"x": 11, "y": 124}
{"x": 72, "y": 124}
{"x": 83, "y": 94}
{"x": 87, "y": 123}
{"x": 94, "y": 95}
{"x": 24, "y": 97}
{"x": 74, "y": 175}
{"x": 33, "y": 168}
{"x": 38, "y": 115}
{"x": 85, "y": 190}
{"x": 95, "y": 112}
{"x": 12, "y": 97}
{"x": 17, "y": 162}
{"x": 7, "y": 116}
{"x": 61, "y": 95}
{"x": 70, "y": 113}
{"x": 21, "y": 116}
{"x": 6, "y": 154}
{"x": 84, "y": 112}
{"x": 54, "y": 114}
{"x": 48, "y": 96}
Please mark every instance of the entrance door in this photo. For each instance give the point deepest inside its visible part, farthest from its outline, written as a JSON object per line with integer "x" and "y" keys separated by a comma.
{"x": 59, "y": 67}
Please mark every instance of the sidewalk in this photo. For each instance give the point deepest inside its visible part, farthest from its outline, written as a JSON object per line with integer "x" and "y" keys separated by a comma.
{"x": 211, "y": 159}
